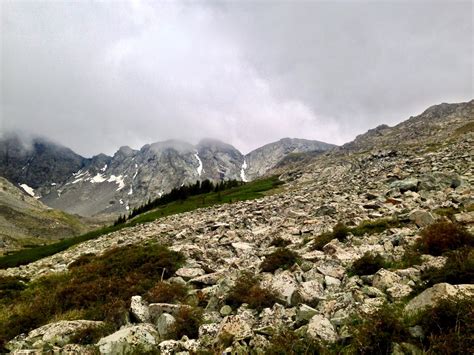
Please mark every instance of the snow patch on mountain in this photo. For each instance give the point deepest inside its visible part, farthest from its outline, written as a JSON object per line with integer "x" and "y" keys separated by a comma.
{"x": 242, "y": 171}
{"x": 118, "y": 180}
{"x": 98, "y": 178}
{"x": 199, "y": 168}
{"x": 30, "y": 191}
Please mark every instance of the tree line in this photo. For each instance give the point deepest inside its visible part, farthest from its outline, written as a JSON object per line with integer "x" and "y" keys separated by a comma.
{"x": 180, "y": 194}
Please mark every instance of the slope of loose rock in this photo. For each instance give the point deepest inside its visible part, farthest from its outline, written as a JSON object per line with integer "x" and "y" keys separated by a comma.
{"x": 409, "y": 182}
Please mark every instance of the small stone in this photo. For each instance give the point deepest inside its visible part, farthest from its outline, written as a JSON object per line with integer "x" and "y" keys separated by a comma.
{"x": 225, "y": 310}
{"x": 304, "y": 313}
{"x": 421, "y": 218}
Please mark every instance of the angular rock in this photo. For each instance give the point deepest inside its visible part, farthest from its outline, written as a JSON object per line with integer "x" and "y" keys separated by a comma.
{"x": 311, "y": 291}
{"x": 53, "y": 334}
{"x": 157, "y": 309}
{"x": 142, "y": 337}
{"x": 284, "y": 284}
{"x": 409, "y": 184}
{"x": 433, "y": 295}
{"x": 399, "y": 291}
{"x": 465, "y": 218}
{"x": 384, "y": 279}
{"x": 139, "y": 309}
{"x": 421, "y": 218}
{"x": 188, "y": 273}
{"x": 305, "y": 313}
{"x": 320, "y": 327}
{"x": 164, "y": 324}
{"x": 235, "y": 326}
{"x": 208, "y": 279}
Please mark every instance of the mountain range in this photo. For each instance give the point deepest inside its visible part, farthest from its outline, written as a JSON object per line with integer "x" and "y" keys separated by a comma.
{"x": 111, "y": 185}
{"x": 376, "y": 232}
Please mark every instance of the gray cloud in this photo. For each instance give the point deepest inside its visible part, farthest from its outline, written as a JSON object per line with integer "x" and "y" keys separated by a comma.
{"x": 97, "y": 75}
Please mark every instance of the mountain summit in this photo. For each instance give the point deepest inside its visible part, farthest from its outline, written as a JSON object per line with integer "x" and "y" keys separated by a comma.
{"x": 112, "y": 185}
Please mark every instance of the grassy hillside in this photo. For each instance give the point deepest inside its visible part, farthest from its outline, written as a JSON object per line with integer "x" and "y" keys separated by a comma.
{"x": 251, "y": 190}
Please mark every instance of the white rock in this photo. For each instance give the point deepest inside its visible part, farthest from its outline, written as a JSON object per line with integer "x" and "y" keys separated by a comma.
{"x": 142, "y": 336}
{"x": 433, "y": 295}
{"x": 384, "y": 279}
{"x": 284, "y": 284}
{"x": 139, "y": 309}
{"x": 320, "y": 327}
{"x": 311, "y": 291}
{"x": 58, "y": 333}
{"x": 164, "y": 324}
{"x": 190, "y": 272}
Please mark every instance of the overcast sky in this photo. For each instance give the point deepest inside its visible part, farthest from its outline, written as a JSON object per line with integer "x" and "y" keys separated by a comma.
{"x": 97, "y": 75}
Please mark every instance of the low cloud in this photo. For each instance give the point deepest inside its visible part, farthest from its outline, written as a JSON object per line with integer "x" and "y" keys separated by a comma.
{"x": 95, "y": 76}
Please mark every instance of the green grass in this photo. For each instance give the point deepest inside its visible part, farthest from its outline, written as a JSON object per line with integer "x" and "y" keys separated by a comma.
{"x": 249, "y": 191}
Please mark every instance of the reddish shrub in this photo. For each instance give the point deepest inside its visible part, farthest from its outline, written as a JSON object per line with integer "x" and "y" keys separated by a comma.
{"x": 441, "y": 237}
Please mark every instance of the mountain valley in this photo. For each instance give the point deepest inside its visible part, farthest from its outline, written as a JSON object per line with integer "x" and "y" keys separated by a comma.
{"x": 359, "y": 250}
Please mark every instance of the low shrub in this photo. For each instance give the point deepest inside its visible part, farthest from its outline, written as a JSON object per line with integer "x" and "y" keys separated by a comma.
{"x": 100, "y": 287}
{"x": 281, "y": 258}
{"x": 247, "y": 289}
{"x": 449, "y": 327}
{"x": 288, "y": 342}
{"x": 374, "y": 227}
{"x": 321, "y": 240}
{"x": 368, "y": 264}
{"x": 459, "y": 269}
{"x": 10, "y": 287}
{"x": 92, "y": 335}
{"x": 340, "y": 231}
{"x": 188, "y": 320}
{"x": 165, "y": 292}
{"x": 376, "y": 333}
{"x": 279, "y": 242}
{"x": 441, "y": 237}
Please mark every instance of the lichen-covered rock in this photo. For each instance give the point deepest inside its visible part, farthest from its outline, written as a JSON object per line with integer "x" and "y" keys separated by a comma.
{"x": 320, "y": 327}
{"x": 164, "y": 324}
{"x": 384, "y": 279}
{"x": 53, "y": 334}
{"x": 142, "y": 337}
{"x": 433, "y": 295}
{"x": 139, "y": 309}
{"x": 421, "y": 218}
{"x": 188, "y": 273}
{"x": 237, "y": 326}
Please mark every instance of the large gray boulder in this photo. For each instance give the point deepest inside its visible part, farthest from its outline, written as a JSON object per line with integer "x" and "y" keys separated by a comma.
{"x": 433, "y": 295}
{"x": 142, "y": 337}
{"x": 53, "y": 334}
